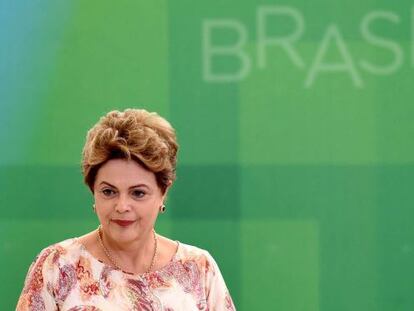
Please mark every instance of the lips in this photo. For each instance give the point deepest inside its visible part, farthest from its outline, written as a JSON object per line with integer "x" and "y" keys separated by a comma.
{"x": 123, "y": 223}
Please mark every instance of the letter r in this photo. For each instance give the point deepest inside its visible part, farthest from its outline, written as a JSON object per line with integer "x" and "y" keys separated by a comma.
{"x": 286, "y": 42}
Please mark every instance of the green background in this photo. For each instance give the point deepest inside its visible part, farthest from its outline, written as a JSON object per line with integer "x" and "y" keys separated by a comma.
{"x": 297, "y": 177}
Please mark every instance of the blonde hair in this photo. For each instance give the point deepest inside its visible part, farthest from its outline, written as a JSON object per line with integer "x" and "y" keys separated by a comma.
{"x": 134, "y": 134}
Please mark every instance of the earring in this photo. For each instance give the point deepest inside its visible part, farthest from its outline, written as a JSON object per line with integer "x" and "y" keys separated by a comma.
{"x": 94, "y": 208}
{"x": 162, "y": 208}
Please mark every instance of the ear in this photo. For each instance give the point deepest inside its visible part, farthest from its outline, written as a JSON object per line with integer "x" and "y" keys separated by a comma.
{"x": 164, "y": 196}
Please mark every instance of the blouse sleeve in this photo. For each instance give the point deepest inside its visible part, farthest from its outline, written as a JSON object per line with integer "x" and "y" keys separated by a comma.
{"x": 37, "y": 293}
{"x": 218, "y": 296}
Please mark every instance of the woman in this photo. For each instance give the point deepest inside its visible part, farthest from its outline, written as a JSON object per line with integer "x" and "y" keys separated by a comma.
{"x": 129, "y": 161}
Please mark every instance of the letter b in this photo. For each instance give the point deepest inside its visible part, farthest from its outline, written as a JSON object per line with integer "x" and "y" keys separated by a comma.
{"x": 209, "y": 51}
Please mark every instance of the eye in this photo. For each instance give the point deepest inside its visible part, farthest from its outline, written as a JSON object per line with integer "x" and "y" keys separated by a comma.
{"x": 108, "y": 192}
{"x": 137, "y": 193}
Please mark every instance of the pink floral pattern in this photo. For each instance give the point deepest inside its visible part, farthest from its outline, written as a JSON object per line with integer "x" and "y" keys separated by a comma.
{"x": 66, "y": 282}
{"x": 65, "y": 276}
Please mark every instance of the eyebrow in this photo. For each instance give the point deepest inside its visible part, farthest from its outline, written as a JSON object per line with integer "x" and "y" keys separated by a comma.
{"x": 138, "y": 185}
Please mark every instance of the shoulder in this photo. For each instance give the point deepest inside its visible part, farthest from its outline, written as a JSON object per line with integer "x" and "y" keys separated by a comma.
{"x": 191, "y": 251}
{"x": 217, "y": 294}
{"x": 46, "y": 275}
{"x": 64, "y": 247}
{"x": 48, "y": 264}
{"x": 55, "y": 253}
{"x": 45, "y": 267}
{"x": 203, "y": 257}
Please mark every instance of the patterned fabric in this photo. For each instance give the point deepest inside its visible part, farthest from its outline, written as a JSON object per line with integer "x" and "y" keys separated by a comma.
{"x": 65, "y": 276}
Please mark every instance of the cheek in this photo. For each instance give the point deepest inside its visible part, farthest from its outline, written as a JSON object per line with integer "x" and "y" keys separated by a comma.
{"x": 101, "y": 204}
{"x": 103, "y": 208}
{"x": 149, "y": 212}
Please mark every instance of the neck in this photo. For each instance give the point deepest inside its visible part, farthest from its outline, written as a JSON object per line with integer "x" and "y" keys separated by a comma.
{"x": 135, "y": 256}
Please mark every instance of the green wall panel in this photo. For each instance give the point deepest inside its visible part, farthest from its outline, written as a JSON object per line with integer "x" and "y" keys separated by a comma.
{"x": 295, "y": 122}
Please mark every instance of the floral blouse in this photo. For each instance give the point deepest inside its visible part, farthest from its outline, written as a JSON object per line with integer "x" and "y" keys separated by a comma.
{"x": 65, "y": 276}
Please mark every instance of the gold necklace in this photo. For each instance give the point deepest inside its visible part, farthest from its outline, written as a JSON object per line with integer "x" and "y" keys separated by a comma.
{"x": 112, "y": 259}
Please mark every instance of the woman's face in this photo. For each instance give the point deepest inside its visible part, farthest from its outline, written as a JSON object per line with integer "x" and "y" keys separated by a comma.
{"x": 127, "y": 200}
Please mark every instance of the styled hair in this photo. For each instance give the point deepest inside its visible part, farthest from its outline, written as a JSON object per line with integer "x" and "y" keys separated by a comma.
{"x": 134, "y": 134}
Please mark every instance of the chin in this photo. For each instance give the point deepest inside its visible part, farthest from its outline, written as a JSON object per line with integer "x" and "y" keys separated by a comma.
{"x": 121, "y": 231}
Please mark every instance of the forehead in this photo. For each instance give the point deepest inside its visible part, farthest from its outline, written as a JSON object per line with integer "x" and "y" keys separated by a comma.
{"x": 121, "y": 172}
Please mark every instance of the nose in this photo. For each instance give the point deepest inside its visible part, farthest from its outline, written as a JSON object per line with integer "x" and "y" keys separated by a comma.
{"x": 122, "y": 205}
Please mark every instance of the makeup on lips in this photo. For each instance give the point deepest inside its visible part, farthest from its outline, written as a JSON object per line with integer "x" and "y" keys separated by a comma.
{"x": 123, "y": 223}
